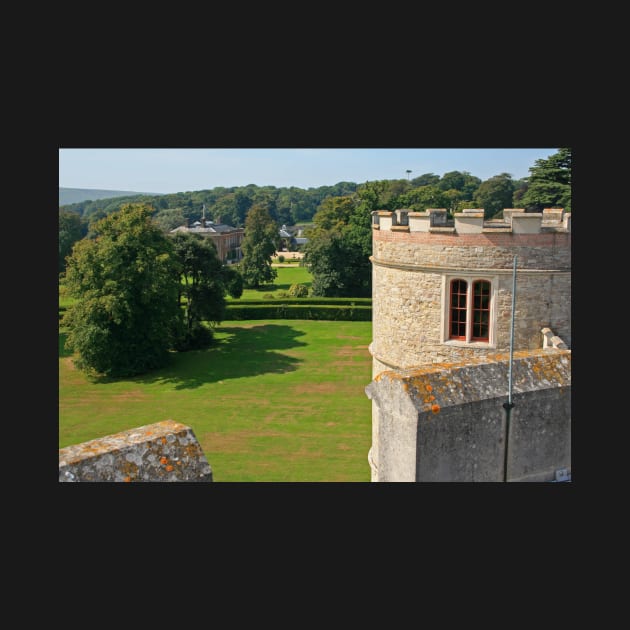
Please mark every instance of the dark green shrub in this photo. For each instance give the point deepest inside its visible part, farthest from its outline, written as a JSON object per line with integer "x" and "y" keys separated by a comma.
{"x": 298, "y": 290}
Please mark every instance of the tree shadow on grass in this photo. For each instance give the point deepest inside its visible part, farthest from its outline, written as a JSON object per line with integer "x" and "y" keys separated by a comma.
{"x": 245, "y": 351}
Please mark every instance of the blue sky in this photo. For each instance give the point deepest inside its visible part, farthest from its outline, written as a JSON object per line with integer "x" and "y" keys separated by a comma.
{"x": 181, "y": 170}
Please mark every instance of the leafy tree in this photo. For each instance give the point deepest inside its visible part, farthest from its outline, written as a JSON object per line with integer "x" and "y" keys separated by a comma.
{"x": 260, "y": 242}
{"x": 233, "y": 281}
{"x": 71, "y": 230}
{"x": 423, "y": 197}
{"x": 340, "y": 243}
{"x": 471, "y": 184}
{"x": 326, "y": 258}
{"x": 395, "y": 188}
{"x": 202, "y": 288}
{"x": 242, "y": 204}
{"x": 126, "y": 281}
{"x": 495, "y": 194}
{"x": 333, "y": 213}
{"x": 93, "y": 219}
{"x": 169, "y": 219}
{"x": 549, "y": 183}
{"x": 454, "y": 180}
{"x": 428, "y": 179}
{"x": 520, "y": 188}
{"x": 231, "y": 208}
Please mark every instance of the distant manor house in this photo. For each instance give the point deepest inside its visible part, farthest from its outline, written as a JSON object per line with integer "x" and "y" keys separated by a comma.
{"x": 442, "y": 335}
{"x": 227, "y": 239}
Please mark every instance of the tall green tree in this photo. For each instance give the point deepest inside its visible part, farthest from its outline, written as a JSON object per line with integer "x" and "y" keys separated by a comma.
{"x": 126, "y": 280}
{"x": 495, "y": 194}
{"x": 260, "y": 242}
{"x": 423, "y": 197}
{"x": 202, "y": 289}
{"x": 340, "y": 243}
{"x": 549, "y": 183}
{"x": 71, "y": 230}
{"x": 333, "y": 213}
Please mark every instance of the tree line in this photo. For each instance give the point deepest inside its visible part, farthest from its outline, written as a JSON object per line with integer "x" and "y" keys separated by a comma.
{"x": 546, "y": 185}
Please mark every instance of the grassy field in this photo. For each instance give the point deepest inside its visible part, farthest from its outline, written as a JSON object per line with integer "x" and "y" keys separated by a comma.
{"x": 286, "y": 277}
{"x": 279, "y": 400}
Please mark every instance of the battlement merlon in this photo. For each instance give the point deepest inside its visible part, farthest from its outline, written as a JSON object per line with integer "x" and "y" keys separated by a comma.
{"x": 471, "y": 221}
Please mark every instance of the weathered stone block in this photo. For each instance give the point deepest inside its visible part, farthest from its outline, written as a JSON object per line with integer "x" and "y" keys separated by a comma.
{"x": 164, "y": 451}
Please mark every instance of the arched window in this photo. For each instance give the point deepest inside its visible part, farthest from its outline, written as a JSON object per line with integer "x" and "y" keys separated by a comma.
{"x": 469, "y": 316}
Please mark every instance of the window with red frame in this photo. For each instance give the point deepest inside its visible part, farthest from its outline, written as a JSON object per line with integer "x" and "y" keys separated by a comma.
{"x": 476, "y": 306}
{"x": 481, "y": 311}
{"x": 459, "y": 292}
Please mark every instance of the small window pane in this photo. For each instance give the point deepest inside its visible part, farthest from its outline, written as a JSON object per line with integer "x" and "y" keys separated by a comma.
{"x": 481, "y": 311}
{"x": 458, "y": 309}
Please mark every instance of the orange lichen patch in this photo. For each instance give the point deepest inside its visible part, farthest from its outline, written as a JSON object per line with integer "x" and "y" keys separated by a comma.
{"x": 163, "y": 440}
{"x": 129, "y": 468}
{"x": 169, "y": 468}
{"x": 435, "y": 408}
{"x": 163, "y": 460}
{"x": 147, "y": 433}
{"x": 127, "y": 479}
{"x": 428, "y": 388}
{"x": 179, "y": 463}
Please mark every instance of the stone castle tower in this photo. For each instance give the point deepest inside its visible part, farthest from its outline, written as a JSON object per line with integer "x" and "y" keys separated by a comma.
{"x": 442, "y": 330}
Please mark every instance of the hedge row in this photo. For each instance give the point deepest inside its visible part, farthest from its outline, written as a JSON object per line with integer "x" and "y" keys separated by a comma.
{"x": 293, "y": 309}
{"x": 299, "y": 311}
{"x": 365, "y": 301}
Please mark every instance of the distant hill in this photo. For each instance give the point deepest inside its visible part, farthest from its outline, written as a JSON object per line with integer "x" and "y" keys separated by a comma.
{"x": 76, "y": 195}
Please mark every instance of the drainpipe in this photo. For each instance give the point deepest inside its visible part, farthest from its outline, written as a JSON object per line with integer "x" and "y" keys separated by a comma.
{"x": 509, "y": 404}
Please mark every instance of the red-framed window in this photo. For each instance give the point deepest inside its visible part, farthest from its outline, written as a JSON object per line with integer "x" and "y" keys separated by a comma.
{"x": 459, "y": 298}
{"x": 481, "y": 311}
{"x": 469, "y": 310}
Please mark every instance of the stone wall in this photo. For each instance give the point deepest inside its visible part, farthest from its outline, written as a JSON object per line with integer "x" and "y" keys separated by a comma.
{"x": 164, "y": 451}
{"x": 447, "y": 422}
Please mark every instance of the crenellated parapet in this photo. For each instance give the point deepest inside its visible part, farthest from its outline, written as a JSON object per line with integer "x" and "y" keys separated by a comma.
{"x": 416, "y": 257}
{"x": 471, "y": 221}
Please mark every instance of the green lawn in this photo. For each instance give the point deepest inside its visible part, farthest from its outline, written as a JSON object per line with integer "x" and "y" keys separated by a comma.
{"x": 286, "y": 277}
{"x": 278, "y": 400}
